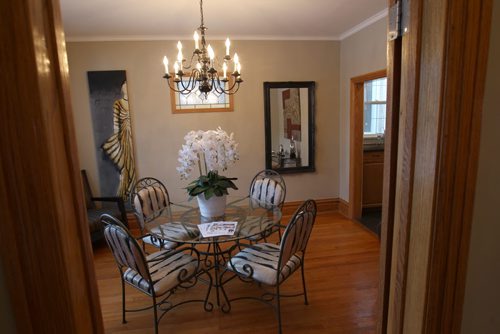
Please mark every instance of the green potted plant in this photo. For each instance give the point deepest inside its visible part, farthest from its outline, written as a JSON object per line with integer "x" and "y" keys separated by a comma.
{"x": 210, "y": 185}
{"x": 212, "y": 151}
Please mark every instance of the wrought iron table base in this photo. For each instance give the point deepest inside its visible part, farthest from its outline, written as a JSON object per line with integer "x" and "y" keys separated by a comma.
{"x": 217, "y": 267}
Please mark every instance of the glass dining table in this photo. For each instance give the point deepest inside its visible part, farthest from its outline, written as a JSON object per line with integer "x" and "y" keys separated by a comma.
{"x": 181, "y": 224}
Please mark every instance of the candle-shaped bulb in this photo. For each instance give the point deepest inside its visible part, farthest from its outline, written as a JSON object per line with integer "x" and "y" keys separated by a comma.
{"x": 180, "y": 57}
{"x": 228, "y": 44}
{"x": 165, "y": 63}
{"x": 211, "y": 53}
{"x": 236, "y": 61}
{"x": 198, "y": 66}
{"x": 196, "y": 40}
{"x": 239, "y": 68}
{"x": 224, "y": 68}
{"x": 179, "y": 54}
{"x": 176, "y": 68}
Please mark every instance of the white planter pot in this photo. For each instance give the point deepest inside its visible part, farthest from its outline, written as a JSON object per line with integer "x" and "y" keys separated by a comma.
{"x": 213, "y": 207}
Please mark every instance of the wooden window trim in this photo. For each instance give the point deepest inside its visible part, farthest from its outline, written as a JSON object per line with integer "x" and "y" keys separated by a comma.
{"x": 356, "y": 140}
{"x": 174, "y": 109}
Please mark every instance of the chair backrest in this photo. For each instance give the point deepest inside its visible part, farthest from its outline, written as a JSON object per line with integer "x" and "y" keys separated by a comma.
{"x": 298, "y": 231}
{"x": 149, "y": 199}
{"x": 125, "y": 249}
{"x": 268, "y": 188}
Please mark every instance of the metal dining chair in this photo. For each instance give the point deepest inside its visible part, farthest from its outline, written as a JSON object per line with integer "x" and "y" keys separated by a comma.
{"x": 158, "y": 275}
{"x": 151, "y": 202}
{"x": 270, "y": 264}
{"x": 267, "y": 190}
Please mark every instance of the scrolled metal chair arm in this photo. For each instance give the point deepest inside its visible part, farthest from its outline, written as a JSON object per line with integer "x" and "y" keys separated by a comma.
{"x": 184, "y": 276}
{"x": 246, "y": 268}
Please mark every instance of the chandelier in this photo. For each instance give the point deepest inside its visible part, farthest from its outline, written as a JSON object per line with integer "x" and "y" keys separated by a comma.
{"x": 201, "y": 71}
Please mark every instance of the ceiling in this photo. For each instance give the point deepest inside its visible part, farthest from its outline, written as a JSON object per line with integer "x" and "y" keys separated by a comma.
{"x": 237, "y": 19}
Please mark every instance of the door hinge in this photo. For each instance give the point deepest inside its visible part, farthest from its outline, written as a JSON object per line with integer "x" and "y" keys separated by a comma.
{"x": 399, "y": 14}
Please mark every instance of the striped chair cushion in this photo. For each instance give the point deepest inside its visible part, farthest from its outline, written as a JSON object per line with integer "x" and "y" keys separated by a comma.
{"x": 267, "y": 191}
{"x": 263, "y": 258}
{"x": 164, "y": 272}
{"x": 125, "y": 249}
{"x": 150, "y": 201}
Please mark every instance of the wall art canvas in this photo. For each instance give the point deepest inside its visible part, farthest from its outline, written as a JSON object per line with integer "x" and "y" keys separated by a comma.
{"x": 291, "y": 113}
{"x": 112, "y": 132}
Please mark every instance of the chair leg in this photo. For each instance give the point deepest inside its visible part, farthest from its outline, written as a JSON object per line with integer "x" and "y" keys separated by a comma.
{"x": 124, "y": 321}
{"x": 278, "y": 304}
{"x": 304, "y": 283}
{"x": 155, "y": 311}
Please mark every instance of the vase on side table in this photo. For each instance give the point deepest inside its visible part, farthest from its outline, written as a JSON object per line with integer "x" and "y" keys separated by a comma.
{"x": 215, "y": 206}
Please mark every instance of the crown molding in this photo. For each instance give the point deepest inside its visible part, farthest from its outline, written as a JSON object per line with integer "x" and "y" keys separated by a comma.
{"x": 117, "y": 38}
{"x": 380, "y": 15}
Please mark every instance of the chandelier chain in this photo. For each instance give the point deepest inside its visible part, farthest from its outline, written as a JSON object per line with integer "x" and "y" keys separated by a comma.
{"x": 201, "y": 13}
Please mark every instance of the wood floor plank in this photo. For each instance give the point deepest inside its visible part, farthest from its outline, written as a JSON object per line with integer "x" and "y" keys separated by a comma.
{"x": 342, "y": 280}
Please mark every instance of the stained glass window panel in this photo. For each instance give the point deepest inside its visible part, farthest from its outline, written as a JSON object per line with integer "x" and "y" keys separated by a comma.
{"x": 196, "y": 101}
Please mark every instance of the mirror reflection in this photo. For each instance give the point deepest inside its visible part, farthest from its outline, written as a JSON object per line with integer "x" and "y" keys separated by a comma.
{"x": 289, "y": 110}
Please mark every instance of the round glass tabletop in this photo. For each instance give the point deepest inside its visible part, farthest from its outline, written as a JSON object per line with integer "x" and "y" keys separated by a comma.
{"x": 183, "y": 223}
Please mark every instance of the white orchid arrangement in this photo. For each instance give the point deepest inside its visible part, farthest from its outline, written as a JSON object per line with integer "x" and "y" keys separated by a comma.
{"x": 212, "y": 151}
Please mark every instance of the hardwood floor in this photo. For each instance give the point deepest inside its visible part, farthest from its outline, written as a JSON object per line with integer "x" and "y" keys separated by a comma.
{"x": 342, "y": 280}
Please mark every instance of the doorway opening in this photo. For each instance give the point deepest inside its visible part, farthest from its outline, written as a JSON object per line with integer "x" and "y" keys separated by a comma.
{"x": 367, "y": 141}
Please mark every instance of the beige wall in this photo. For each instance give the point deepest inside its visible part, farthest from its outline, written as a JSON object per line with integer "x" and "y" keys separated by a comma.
{"x": 159, "y": 133}
{"x": 482, "y": 292}
{"x": 361, "y": 53}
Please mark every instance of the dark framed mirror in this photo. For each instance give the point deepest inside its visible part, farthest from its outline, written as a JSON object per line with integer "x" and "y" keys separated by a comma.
{"x": 289, "y": 124}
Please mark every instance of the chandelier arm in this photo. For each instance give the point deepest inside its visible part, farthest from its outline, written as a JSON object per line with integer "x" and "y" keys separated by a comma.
{"x": 235, "y": 84}
{"x": 231, "y": 90}
{"x": 190, "y": 63}
{"x": 222, "y": 90}
{"x": 172, "y": 87}
{"x": 189, "y": 85}
{"x": 237, "y": 88}
{"x": 217, "y": 87}
{"x": 183, "y": 89}
{"x": 219, "y": 90}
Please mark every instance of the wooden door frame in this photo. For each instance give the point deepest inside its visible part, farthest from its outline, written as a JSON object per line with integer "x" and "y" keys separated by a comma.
{"x": 394, "y": 49}
{"x": 356, "y": 140}
{"x": 45, "y": 246}
{"x": 442, "y": 61}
